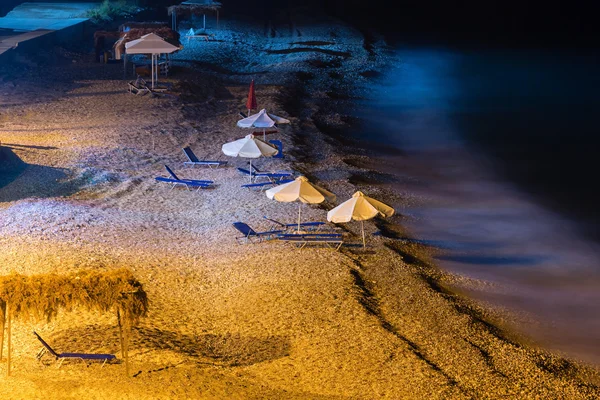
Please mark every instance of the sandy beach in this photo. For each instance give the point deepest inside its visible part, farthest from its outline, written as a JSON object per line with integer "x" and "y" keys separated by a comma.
{"x": 229, "y": 320}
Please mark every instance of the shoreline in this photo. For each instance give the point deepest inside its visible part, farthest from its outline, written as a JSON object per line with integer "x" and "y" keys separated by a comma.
{"x": 350, "y": 324}
{"x": 367, "y": 174}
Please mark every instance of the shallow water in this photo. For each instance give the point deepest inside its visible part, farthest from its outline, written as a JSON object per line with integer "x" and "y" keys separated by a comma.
{"x": 500, "y": 147}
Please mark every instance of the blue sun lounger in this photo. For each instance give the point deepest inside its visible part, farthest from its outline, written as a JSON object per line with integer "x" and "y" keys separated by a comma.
{"x": 265, "y": 185}
{"x": 189, "y": 183}
{"x": 272, "y": 176}
{"x": 301, "y": 240}
{"x": 63, "y": 356}
{"x": 193, "y": 160}
{"x": 277, "y": 143}
{"x": 255, "y": 170}
{"x": 309, "y": 226}
{"x": 250, "y": 235}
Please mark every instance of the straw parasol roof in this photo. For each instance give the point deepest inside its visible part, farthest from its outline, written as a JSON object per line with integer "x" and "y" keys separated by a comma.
{"x": 42, "y": 297}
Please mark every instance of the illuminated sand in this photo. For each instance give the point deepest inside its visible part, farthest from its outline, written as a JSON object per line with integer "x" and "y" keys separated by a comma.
{"x": 230, "y": 321}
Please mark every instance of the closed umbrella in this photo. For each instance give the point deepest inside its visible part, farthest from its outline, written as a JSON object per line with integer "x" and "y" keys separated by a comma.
{"x": 300, "y": 189}
{"x": 262, "y": 119}
{"x": 251, "y": 102}
{"x": 359, "y": 208}
{"x": 249, "y": 147}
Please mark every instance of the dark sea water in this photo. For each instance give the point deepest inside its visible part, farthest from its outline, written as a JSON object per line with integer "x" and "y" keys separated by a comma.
{"x": 502, "y": 149}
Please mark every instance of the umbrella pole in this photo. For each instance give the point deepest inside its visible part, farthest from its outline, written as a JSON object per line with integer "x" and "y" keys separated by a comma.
{"x": 299, "y": 208}
{"x": 152, "y": 72}
{"x": 250, "y": 170}
{"x": 264, "y": 134}
{"x": 362, "y": 228}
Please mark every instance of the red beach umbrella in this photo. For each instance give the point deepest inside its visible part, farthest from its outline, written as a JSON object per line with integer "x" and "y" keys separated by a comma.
{"x": 251, "y": 102}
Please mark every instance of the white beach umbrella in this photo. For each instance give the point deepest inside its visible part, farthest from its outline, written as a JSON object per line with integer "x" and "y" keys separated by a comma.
{"x": 262, "y": 119}
{"x": 300, "y": 190}
{"x": 249, "y": 147}
{"x": 359, "y": 208}
{"x": 152, "y": 44}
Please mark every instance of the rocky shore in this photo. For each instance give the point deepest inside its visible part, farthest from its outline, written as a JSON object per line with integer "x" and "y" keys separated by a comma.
{"x": 259, "y": 320}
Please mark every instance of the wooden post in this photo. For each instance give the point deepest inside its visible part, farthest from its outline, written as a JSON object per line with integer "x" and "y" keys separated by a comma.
{"x": 126, "y": 347}
{"x": 120, "y": 333}
{"x": 124, "y": 331}
{"x": 2, "y": 321}
{"x": 9, "y": 342}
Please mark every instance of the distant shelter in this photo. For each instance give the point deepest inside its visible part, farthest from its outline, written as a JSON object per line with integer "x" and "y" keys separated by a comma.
{"x": 194, "y": 7}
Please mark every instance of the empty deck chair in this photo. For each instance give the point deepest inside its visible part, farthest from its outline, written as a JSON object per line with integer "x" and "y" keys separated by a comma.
{"x": 251, "y": 236}
{"x": 265, "y": 185}
{"x": 301, "y": 240}
{"x": 309, "y": 226}
{"x": 138, "y": 86}
{"x": 193, "y": 160}
{"x": 274, "y": 177}
{"x": 174, "y": 180}
{"x": 255, "y": 170}
{"x": 279, "y": 145}
{"x": 60, "y": 357}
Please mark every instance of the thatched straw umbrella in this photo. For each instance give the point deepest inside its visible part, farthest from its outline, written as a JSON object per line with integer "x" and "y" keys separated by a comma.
{"x": 41, "y": 297}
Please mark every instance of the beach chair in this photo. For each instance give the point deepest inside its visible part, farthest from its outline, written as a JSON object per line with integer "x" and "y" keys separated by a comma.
{"x": 301, "y": 240}
{"x": 255, "y": 170}
{"x": 193, "y": 160}
{"x": 273, "y": 177}
{"x": 188, "y": 183}
{"x": 308, "y": 226}
{"x": 60, "y": 357}
{"x": 138, "y": 86}
{"x": 251, "y": 236}
{"x": 279, "y": 145}
{"x": 265, "y": 185}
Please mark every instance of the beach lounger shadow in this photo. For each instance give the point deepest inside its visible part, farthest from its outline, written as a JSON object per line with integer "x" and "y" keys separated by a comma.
{"x": 251, "y": 236}
{"x": 60, "y": 357}
{"x": 174, "y": 180}
{"x": 193, "y": 160}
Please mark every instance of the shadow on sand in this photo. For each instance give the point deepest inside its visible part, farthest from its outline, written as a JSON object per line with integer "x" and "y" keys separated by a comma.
{"x": 19, "y": 180}
{"x": 218, "y": 349}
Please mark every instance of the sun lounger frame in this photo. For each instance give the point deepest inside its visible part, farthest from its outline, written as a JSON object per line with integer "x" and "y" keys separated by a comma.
{"x": 60, "y": 357}
{"x": 252, "y": 236}
{"x": 274, "y": 177}
{"x": 193, "y": 160}
{"x": 175, "y": 180}
{"x": 187, "y": 183}
{"x": 264, "y": 185}
{"x": 139, "y": 86}
{"x": 301, "y": 240}
{"x": 311, "y": 226}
